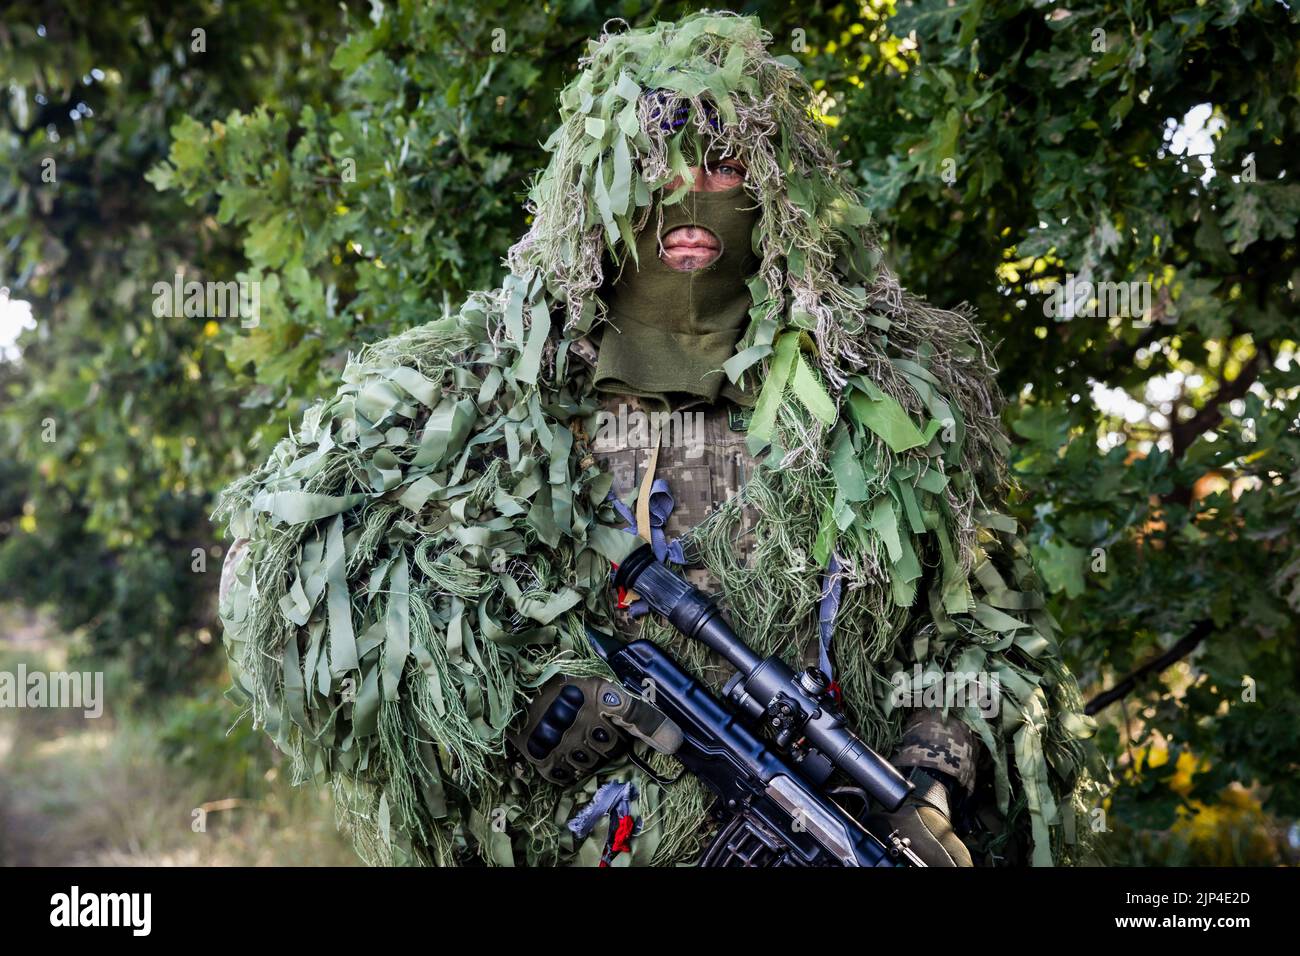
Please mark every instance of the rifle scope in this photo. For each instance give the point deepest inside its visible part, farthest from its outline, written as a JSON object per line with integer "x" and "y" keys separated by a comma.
{"x": 797, "y": 708}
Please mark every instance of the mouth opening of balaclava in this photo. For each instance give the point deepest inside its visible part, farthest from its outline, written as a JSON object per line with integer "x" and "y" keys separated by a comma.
{"x": 670, "y": 331}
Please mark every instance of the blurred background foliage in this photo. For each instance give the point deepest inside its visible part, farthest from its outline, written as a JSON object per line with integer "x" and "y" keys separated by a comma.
{"x": 366, "y": 164}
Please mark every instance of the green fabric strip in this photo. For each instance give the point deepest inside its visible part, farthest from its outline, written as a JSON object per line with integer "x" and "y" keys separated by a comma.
{"x": 342, "y": 640}
{"x": 397, "y": 641}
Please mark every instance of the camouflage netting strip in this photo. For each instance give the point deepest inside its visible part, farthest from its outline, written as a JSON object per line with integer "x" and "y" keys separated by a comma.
{"x": 424, "y": 550}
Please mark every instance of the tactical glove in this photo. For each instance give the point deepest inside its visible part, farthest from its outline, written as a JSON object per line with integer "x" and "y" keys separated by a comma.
{"x": 577, "y": 723}
{"x": 925, "y": 822}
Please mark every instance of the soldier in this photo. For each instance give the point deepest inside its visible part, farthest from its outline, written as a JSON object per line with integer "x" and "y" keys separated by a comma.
{"x": 698, "y": 346}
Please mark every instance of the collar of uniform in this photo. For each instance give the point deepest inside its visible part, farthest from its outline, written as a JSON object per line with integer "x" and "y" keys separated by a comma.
{"x": 589, "y": 354}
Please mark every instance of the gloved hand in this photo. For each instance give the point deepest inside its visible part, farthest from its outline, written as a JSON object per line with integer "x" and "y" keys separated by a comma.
{"x": 925, "y": 821}
{"x": 576, "y": 723}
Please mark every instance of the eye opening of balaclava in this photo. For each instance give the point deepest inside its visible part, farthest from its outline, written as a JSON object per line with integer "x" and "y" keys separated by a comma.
{"x": 670, "y": 331}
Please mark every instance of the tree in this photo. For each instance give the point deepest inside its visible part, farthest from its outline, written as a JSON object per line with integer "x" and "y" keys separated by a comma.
{"x": 1017, "y": 150}
{"x": 110, "y": 412}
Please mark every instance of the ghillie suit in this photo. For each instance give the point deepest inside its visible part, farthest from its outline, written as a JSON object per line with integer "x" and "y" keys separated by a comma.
{"x": 424, "y": 549}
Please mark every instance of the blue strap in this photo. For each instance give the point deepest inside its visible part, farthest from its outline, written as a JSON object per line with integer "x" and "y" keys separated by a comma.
{"x": 614, "y": 798}
{"x": 661, "y": 506}
{"x": 827, "y": 610}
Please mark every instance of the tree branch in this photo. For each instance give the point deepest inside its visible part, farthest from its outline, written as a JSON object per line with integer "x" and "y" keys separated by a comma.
{"x": 1208, "y": 418}
{"x": 1199, "y": 632}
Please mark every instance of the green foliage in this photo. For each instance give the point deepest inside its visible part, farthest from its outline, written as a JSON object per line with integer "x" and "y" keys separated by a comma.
{"x": 369, "y": 171}
{"x": 201, "y": 734}
{"x": 113, "y": 413}
{"x": 137, "y": 605}
{"x": 1058, "y": 127}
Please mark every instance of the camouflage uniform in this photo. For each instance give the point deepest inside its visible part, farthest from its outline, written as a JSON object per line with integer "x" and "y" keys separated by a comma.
{"x": 702, "y": 473}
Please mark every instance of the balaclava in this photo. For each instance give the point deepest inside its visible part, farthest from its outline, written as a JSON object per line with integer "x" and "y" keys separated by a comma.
{"x": 671, "y": 331}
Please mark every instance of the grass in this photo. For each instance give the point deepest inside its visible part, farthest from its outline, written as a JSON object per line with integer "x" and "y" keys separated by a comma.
{"x": 170, "y": 785}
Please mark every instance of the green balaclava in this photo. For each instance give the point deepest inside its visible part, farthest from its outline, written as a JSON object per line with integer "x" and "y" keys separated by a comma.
{"x": 671, "y": 331}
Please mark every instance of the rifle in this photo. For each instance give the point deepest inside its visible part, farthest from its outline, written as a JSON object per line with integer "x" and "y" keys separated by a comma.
{"x": 771, "y": 798}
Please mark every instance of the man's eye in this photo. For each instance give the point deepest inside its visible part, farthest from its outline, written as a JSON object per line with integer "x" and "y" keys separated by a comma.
{"x": 726, "y": 169}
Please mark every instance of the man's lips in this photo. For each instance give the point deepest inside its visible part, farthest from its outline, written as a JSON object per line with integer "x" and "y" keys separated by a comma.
{"x": 689, "y": 239}
{"x": 688, "y": 247}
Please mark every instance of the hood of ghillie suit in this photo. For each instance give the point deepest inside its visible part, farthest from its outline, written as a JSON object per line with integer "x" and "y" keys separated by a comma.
{"x": 425, "y": 548}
